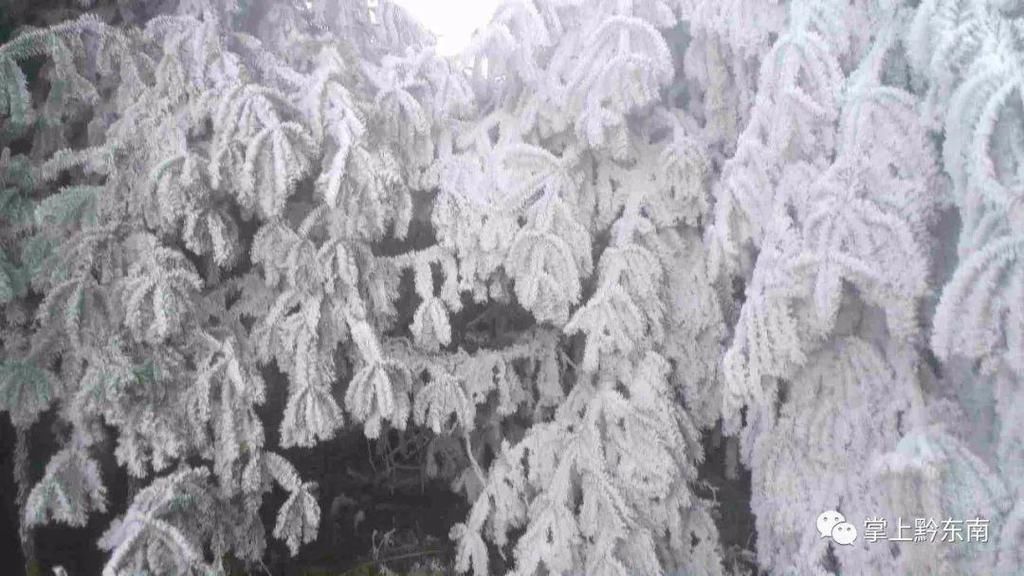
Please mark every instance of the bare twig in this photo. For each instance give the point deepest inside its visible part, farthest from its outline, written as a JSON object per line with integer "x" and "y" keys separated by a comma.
{"x": 472, "y": 459}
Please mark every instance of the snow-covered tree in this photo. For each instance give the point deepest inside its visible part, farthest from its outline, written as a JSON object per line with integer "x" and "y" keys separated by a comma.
{"x": 192, "y": 192}
{"x": 608, "y": 230}
{"x": 580, "y": 193}
{"x": 833, "y": 227}
{"x": 972, "y": 55}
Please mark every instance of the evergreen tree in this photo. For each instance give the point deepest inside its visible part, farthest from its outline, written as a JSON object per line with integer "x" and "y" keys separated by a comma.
{"x": 607, "y": 230}
{"x": 162, "y": 239}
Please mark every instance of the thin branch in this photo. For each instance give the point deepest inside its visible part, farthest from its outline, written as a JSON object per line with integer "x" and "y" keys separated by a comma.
{"x": 472, "y": 459}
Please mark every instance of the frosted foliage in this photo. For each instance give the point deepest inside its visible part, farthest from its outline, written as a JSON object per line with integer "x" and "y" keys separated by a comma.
{"x": 573, "y": 149}
{"x": 811, "y": 456}
{"x": 606, "y": 235}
